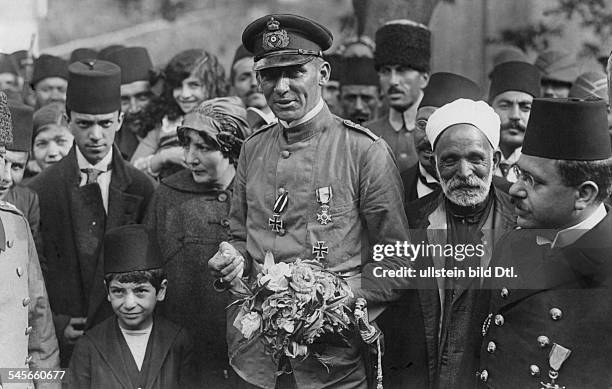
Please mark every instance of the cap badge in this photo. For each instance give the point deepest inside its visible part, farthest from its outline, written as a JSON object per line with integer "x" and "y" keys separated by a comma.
{"x": 275, "y": 38}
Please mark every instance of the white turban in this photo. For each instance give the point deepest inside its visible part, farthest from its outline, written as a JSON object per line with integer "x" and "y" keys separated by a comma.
{"x": 464, "y": 111}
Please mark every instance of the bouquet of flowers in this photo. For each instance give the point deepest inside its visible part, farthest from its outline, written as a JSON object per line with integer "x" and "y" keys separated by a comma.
{"x": 294, "y": 307}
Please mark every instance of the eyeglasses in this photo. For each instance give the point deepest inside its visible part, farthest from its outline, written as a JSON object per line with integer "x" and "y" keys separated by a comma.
{"x": 523, "y": 175}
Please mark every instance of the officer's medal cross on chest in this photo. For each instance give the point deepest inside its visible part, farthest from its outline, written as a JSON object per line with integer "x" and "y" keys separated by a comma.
{"x": 275, "y": 222}
{"x": 558, "y": 355}
{"x": 324, "y": 196}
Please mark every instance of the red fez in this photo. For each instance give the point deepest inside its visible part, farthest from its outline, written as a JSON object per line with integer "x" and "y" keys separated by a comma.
{"x": 47, "y": 66}
{"x": 134, "y": 62}
{"x": 130, "y": 248}
{"x": 568, "y": 129}
{"x": 514, "y": 76}
{"x": 6, "y": 124}
{"x": 285, "y": 40}
{"x": 444, "y": 88}
{"x": 107, "y": 50}
{"x": 94, "y": 87}
{"x": 362, "y": 72}
{"x": 21, "y": 116}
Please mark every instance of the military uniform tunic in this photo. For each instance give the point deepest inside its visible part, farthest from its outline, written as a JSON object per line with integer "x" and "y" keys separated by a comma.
{"x": 365, "y": 208}
{"x": 560, "y": 297}
{"x": 27, "y": 335}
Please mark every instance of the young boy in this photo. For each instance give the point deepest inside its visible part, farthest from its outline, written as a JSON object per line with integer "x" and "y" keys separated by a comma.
{"x": 134, "y": 348}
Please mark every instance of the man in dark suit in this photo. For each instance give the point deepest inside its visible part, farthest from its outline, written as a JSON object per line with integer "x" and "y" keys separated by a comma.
{"x": 431, "y": 333}
{"x": 547, "y": 326}
{"x": 91, "y": 190}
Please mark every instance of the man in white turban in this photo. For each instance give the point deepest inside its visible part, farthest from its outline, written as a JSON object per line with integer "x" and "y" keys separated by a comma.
{"x": 470, "y": 215}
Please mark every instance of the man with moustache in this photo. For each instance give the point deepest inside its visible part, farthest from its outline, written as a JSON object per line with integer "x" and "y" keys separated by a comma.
{"x": 421, "y": 179}
{"x": 548, "y": 325}
{"x": 402, "y": 61}
{"x": 336, "y": 189}
{"x": 359, "y": 90}
{"x": 514, "y": 84}
{"x": 433, "y": 332}
{"x": 136, "y": 95}
{"x": 49, "y": 80}
{"x": 89, "y": 191}
{"x": 244, "y": 85}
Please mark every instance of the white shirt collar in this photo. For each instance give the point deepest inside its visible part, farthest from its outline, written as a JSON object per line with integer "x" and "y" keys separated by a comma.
{"x": 309, "y": 115}
{"x": 571, "y": 234}
{"x": 397, "y": 119}
{"x": 512, "y": 158}
{"x": 102, "y": 165}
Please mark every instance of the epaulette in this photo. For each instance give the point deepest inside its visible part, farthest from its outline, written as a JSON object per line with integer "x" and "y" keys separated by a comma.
{"x": 6, "y": 206}
{"x": 361, "y": 129}
{"x": 261, "y": 130}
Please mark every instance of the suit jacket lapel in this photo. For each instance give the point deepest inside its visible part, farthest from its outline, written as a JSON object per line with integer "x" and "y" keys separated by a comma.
{"x": 163, "y": 337}
{"x": 110, "y": 350}
{"x": 117, "y": 199}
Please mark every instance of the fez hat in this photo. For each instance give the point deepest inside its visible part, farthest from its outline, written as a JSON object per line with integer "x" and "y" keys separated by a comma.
{"x": 82, "y": 53}
{"x": 134, "y": 62}
{"x": 285, "y": 40}
{"x": 336, "y": 62}
{"x": 94, "y": 87}
{"x": 47, "y": 66}
{"x": 568, "y": 129}
{"x": 514, "y": 76}
{"x": 6, "y": 125}
{"x": 403, "y": 42}
{"x": 130, "y": 248}
{"x": 21, "y": 116}
{"x": 107, "y": 50}
{"x": 444, "y": 88}
{"x": 362, "y": 72}
{"x": 590, "y": 86}
{"x": 7, "y": 65}
{"x": 19, "y": 58}
{"x": 509, "y": 54}
{"x": 557, "y": 65}
{"x": 53, "y": 113}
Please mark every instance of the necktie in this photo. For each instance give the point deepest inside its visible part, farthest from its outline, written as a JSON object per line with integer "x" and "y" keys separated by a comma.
{"x": 92, "y": 175}
{"x": 504, "y": 167}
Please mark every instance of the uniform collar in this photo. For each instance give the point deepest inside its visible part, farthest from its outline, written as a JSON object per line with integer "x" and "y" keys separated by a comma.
{"x": 408, "y": 117}
{"x": 309, "y": 115}
{"x": 103, "y": 165}
{"x": 571, "y": 234}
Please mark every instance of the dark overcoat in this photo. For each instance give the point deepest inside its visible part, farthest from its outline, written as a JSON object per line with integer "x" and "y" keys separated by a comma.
{"x": 560, "y": 296}
{"x": 189, "y": 220}
{"x": 68, "y": 276}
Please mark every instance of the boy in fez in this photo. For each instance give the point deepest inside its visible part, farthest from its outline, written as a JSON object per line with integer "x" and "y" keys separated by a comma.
{"x": 133, "y": 348}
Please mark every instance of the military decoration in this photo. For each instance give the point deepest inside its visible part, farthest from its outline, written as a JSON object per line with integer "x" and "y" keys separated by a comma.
{"x": 276, "y": 222}
{"x": 275, "y": 38}
{"x": 324, "y": 196}
{"x": 320, "y": 250}
{"x": 558, "y": 355}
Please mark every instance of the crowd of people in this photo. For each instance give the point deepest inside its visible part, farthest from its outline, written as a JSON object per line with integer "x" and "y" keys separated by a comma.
{"x": 135, "y": 199}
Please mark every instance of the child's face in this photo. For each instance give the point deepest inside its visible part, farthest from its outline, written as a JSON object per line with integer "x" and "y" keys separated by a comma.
{"x": 134, "y": 303}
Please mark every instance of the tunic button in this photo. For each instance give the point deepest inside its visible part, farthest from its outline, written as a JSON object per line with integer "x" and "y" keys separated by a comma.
{"x": 9, "y": 243}
{"x": 28, "y": 330}
{"x": 19, "y": 271}
{"x": 484, "y": 375}
{"x": 93, "y": 223}
{"x": 543, "y": 341}
{"x": 504, "y": 293}
{"x": 285, "y": 154}
{"x": 491, "y": 347}
{"x": 222, "y": 197}
{"x": 26, "y": 301}
{"x": 534, "y": 370}
{"x": 499, "y": 320}
{"x": 281, "y": 191}
{"x": 225, "y": 222}
{"x": 556, "y": 313}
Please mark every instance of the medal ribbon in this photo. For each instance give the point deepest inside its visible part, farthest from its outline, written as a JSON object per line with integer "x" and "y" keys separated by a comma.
{"x": 558, "y": 355}
{"x": 324, "y": 195}
{"x": 281, "y": 203}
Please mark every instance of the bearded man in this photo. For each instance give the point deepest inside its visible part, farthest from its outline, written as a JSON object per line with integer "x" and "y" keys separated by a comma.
{"x": 433, "y": 331}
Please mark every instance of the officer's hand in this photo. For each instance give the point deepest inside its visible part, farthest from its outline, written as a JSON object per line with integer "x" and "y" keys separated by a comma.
{"x": 74, "y": 329}
{"x": 227, "y": 263}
